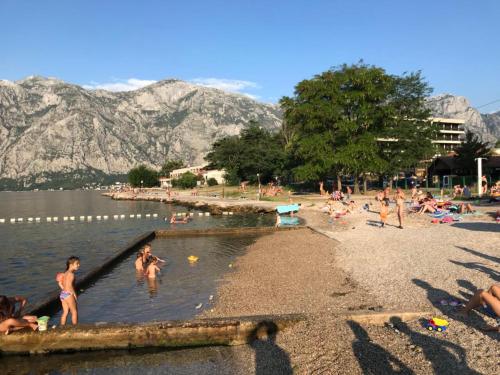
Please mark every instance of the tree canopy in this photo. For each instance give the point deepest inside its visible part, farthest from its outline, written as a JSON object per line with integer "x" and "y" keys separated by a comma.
{"x": 357, "y": 119}
{"x": 169, "y": 166}
{"x": 187, "y": 180}
{"x": 149, "y": 177}
{"x": 255, "y": 150}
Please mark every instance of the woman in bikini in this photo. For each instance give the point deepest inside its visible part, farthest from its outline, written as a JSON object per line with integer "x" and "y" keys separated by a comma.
{"x": 489, "y": 300}
{"x": 399, "y": 197}
{"x": 10, "y": 319}
{"x": 67, "y": 296}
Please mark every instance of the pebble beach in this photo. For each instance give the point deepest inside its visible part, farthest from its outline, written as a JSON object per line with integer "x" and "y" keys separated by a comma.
{"x": 352, "y": 265}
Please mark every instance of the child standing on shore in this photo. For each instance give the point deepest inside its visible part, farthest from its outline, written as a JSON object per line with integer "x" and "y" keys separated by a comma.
{"x": 67, "y": 296}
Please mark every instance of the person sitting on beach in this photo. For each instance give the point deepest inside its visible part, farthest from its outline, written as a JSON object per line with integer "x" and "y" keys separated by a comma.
{"x": 428, "y": 205}
{"x": 466, "y": 192}
{"x": 414, "y": 193}
{"x": 152, "y": 268}
{"x": 139, "y": 265}
{"x": 457, "y": 191}
{"x": 68, "y": 296}
{"x": 10, "y": 319}
{"x": 465, "y": 208}
{"x": 489, "y": 300}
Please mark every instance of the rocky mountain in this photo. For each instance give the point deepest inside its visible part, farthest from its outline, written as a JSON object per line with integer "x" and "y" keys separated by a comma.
{"x": 451, "y": 106}
{"x": 52, "y": 132}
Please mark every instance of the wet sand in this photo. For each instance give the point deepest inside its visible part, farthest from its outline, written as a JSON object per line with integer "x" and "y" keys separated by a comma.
{"x": 367, "y": 268}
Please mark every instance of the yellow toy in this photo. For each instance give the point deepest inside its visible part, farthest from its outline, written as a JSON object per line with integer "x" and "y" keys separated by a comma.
{"x": 436, "y": 324}
{"x": 192, "y": 258}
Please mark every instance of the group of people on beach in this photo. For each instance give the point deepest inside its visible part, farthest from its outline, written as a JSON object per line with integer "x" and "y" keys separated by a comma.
{"x": 11, "y": 317}
{"x": 384, "y": 197}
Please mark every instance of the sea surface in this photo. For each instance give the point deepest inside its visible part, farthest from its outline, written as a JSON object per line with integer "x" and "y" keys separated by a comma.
{"x": 32, "y": 253}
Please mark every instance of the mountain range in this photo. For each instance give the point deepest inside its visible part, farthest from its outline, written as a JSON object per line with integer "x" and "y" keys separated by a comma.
{"x": 54, "y": 133}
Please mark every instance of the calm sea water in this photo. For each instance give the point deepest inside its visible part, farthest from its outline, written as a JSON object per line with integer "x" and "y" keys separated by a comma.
{"x": 32, "y": 253}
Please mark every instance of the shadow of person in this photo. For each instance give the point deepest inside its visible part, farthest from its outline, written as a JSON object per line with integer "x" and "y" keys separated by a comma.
{"x": 495, "y": 275}
{"x": 435, "y": 295}
{"x": 444, "y": 356}
{"x": 372, "y": 358}
{"x": 270, "y": 359}
{"x": 479, "y": 254}
{"x": 479, "y": 227}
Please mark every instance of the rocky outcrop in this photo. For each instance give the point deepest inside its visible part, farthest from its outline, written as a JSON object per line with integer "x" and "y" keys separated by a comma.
{"x": 492, "y": 122}
{"x": 50, "y": 129}
{"x": 450, "y": 106}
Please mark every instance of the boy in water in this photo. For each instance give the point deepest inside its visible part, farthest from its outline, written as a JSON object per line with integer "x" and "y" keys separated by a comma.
{"x": 67, "y": 296}
{"x": 139, "y": 265}
{"x": 152, "y": 268}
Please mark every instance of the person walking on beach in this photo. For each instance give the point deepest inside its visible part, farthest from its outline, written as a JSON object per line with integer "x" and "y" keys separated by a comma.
{"x": 68, "y": 296}
{"x": 384, "y": 207}
{"x": 399, "y": 197}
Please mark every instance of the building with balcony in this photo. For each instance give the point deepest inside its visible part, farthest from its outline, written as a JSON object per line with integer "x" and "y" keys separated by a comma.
{"x": 451, "y": 133}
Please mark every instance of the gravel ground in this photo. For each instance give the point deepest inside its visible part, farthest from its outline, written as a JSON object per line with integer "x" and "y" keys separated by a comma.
{"x": 371, "y": 268}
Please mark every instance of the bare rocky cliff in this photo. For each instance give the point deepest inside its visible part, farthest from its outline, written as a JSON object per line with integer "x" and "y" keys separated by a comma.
{"x": 53, "y": 131}
{"x": 451, "y": 106}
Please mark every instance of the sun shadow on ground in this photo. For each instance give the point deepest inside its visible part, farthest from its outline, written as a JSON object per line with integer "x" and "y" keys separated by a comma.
{"x": 435, "y": 295}
{"x": 479, "y": 227}
{"x": 269, "y": 357}
{"x": 479, "y": 254}
{"x": 444, "y": 356}
{"x": 495, "y": 275}
{"x": 373, "y": 358}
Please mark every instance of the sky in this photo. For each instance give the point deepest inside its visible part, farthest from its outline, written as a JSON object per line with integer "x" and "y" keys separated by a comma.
{"x": 258, "y": 48}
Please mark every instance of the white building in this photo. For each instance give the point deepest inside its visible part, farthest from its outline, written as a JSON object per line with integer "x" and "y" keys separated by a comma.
{"x": 198, "y": 170}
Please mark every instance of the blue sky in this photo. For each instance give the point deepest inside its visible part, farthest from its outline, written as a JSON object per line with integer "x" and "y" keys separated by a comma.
{"x": 262, "y": 48}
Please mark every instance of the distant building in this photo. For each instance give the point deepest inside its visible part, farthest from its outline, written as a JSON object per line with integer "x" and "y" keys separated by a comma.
{"x": 451, "y": 133}
{"x": 198, "y": 170}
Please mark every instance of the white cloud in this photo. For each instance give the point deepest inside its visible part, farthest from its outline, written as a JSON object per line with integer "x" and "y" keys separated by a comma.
{"x": 230, "y": 85}
{"x": 120, "y": 85}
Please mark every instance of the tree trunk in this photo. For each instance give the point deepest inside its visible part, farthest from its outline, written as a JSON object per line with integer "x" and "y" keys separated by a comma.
{"x": 365, "y": 184}
{"x": 339, "y": 182}
{"x": 356, "y": 184}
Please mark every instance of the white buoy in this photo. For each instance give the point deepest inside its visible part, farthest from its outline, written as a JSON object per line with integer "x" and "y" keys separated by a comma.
{"x": 191, "y": 214}
{"x": 82, "y": 217}
{"x": 20, "y": 219}
{"x": 55, "y": 218}
{"x": 155, "y": 215}
{"x": 98, "y": 217}
{"x": 37, "y": 219}
{"x": 105, "y": 217}
{"x": 89, "y": 218}
{"x": 131, "y": 216}
{"x": 148, "y": 215}
{"x": 224, "y": 212}
{"x": 30, "y": 219}
{"x": 122, "y": 216}
{"x": 12, "y": 220}
{"x": 138, "y": 216}
{"x": 72, "y": 218}
{"x": 49, "y": 220}
{"x": 207, "y": 213}
{"x": 2, "y": 221}
{"x": 230, "y": 212}
{"x": 65, "y": 218}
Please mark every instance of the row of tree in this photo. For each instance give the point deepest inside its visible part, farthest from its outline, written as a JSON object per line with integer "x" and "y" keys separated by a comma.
{"x": 351, "y": 120}
{"x": 142, "y": 176}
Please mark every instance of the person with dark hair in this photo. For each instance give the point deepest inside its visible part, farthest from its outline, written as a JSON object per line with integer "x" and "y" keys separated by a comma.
{"x": 68, "y": 296}
{"x": 10, "y": 319}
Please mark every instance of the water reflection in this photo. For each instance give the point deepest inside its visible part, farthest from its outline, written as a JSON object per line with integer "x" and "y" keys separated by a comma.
{"x": 153, "y": 284}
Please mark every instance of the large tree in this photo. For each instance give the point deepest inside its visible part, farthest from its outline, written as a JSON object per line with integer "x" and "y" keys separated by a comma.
{"x": 143, "y": 176}
{"x": 255, "y": 151}
{"x": 469, "y": 150}
{"x": 356, "y": 119}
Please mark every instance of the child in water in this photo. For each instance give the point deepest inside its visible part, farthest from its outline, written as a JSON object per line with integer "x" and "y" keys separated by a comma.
{"x": 67, "y": 296}
{"x": 152, "y": 268}
{"x": 139, "y": 264}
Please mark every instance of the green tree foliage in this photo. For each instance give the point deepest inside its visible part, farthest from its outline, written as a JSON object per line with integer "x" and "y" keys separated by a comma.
{"x": 471, "y": 149}
{"x": 212, "y": 182}
{"x": 148, "y": 176}
{"x": 255, "y": 150}
{"x": 187, "y": 180}
{"x": 169, "y": 166}
{"x": 336, "y": 122}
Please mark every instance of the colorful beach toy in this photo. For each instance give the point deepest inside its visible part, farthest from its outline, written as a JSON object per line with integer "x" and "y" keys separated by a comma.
{"x": 437, "y": 324}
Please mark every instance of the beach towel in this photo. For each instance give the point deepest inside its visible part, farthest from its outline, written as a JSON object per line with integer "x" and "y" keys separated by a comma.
{"x": 447, "y": 219}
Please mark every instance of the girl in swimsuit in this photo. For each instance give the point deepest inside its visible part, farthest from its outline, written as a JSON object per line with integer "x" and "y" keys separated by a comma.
{"x": 400, "y": 201}
{"x": 67, "y": 296}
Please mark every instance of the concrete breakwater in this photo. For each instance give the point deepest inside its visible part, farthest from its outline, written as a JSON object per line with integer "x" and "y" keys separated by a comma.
{"x": 170, "y": 334}
{"x": 216, "y": 206}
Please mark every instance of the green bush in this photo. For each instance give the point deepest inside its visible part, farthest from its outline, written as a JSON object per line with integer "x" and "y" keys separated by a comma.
{"x": 187, "y": 180}
{"x": 149, "y": 177}
{"x": 212, "y": 182}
